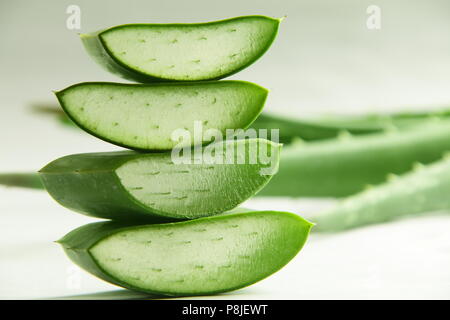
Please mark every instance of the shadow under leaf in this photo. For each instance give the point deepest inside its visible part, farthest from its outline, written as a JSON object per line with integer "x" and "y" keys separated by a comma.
{"x": 111, "y": 295}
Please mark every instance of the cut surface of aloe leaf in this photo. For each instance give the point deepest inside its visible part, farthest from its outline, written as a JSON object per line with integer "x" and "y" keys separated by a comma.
{"x": 130, "y": 185}
{"x": 320, "y": 128}
{"x": 202, "y": 256}
{"x": 182, "y": 52}
{"x": 144, "y": 117}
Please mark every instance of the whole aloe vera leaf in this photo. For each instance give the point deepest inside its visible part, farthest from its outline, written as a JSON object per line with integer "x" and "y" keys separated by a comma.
{"x": 152, "y": 186}
{"x": 196, "y": 257}
{"x": 424, "y": 189}
{"x": 181, "y": 51}
{"x": 344, "y": 166}
{"x": 144, "y": 116}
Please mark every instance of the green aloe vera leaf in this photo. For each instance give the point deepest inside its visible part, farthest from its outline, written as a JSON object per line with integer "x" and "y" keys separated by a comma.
{"x": 312, "y": 129}
{"x": 319, "y": 128}
{"x": 182, "y": 52}
{"x": 344, "y": 166}
{"x": 424, "y": 189}
{"x": 370, "y": 123}
{"x": 203, "y": 256}
{"x": 24, "y": 180}
{"x": 144, "y": 117}
{"x": 153, "y": 186}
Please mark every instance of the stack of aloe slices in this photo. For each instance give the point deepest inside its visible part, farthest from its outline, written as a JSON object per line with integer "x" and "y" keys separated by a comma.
{"x": 174, "y": 230}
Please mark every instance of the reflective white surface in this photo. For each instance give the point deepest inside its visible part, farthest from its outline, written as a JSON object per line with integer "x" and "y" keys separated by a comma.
{"x": 407, "y": 259}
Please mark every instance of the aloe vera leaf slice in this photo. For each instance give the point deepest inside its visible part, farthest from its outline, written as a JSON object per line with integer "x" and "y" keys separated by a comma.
{"x": 182, "y": 52}
{"x": 320, "y": 128}
{"x": 144, "y": 117}
{"x": 129, "y": 185}
{"x": 422, "y": 190}
{"x": 345, "y": 166}
{"x": 196, "y": 257}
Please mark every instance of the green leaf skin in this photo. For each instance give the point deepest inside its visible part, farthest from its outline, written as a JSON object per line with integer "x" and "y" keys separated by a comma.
{"x": 345, "y": 166}
{"x": 321, "y": 128}
{"x": 197, "y": 257}
{"x": 182, "y": 52}
{"x": 132, "y": 186}
{"x": 144, "y": 117}
{"x": 424, "y": 189}
{"x": 291, "y": 130}
{"x": 23, "y": 180}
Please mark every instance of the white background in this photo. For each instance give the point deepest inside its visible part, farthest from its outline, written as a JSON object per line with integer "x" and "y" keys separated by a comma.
{"x": 324, "y": 60}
